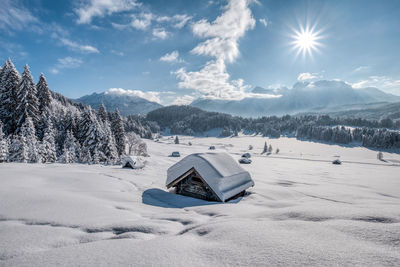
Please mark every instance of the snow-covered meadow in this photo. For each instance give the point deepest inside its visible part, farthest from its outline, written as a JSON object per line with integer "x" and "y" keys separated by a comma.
{"x": 303, "y": 210}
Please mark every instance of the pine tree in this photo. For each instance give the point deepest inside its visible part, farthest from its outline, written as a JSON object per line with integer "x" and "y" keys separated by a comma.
{"x": 117, "y": 127}
{"x": 18, "y": 151}
{"x": 102, "y": 113}
{"x": 28, "y": 102}
{"x": 48, "y": 146}
{"x": 176, "y": 140}
{"x": 3, "y": 145}
{"x": 71, "y": 150}
{"x": 265, "y": 150}
{"x": 44, "y": 95}
{"x": 10, "y": 80}
{"x": 29, "y": 136}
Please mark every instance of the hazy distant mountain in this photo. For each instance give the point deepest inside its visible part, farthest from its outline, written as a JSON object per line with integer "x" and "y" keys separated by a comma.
{"x": 303, "y": 97}
{"x": 127, "y": 104}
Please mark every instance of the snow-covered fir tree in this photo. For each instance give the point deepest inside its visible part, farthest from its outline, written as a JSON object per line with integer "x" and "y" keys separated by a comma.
{"x": 28, "y": 102}
{"x": 3, "y": 145}
{"x": 102, "y": 113}
{"x": 48, "y": 147}
{"x": 28, "y": 134}
{"x": 176, "y": 141}
{"x": 10, "y": 81}
{"x": 44, "y": 95}
{"x": 71, "y": 149}
{"x": 117, "y": 127}
{"x": 92, "y": 135}
{"x": 269, "y": 148}
{"x": 18, "y": 151}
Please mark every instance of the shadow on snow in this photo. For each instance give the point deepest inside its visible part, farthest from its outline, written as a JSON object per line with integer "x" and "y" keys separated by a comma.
{"x": 161, "y": 198}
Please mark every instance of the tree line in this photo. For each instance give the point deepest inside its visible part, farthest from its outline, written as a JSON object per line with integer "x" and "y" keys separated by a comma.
{"x": 189, "y": 120}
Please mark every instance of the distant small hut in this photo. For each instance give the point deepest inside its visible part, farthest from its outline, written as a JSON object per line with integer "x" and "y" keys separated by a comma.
{"x": 209, "y": 176}
{"x": 132, "y": 162}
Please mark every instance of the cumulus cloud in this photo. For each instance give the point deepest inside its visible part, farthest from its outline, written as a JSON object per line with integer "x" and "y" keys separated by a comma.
{"x": 385, "y": 83}
{"x": 141, "y": 22}
{"x": 100, "y": 8}
{"x": 224, "y": 32}
{"x": 160, "y": 33}
{"x": 149, "y": 95}
{"x": 222, "y": 36}
{"x": 263, "y": 22}
{"x": 78, "y": 47}
{"x": 183, "y": 100}
{"x": 171, "y": 57}
{"x": 306, "y": 76}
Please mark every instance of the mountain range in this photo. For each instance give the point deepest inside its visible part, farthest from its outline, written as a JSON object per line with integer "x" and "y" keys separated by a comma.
{"x": 304, "y": 97}
{"x": 319, "y": 96}
{"x": 127, "y": 104}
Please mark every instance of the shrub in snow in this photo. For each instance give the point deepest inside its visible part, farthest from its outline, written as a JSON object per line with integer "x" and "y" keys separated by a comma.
{"x": 250, "y": 147}
{"x": 176, "y": 141}
{"x": 380, "y": 156}
{"x": 277, "y": 151}
{"x": 270, "y": 149}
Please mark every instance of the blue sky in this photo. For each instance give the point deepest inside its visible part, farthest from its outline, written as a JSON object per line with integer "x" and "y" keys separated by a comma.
{"x": 176, "y": 51}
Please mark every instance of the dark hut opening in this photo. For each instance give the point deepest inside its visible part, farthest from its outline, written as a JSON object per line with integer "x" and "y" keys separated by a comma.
{"x": 192, "y": 185}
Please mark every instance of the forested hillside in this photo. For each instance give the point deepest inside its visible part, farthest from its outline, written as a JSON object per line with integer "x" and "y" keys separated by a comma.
{"x": 190, "y": 120}
{"x": 38, "y": 125}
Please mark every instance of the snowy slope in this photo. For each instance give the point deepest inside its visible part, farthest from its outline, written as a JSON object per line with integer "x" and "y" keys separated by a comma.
{"x": 302, "y": 211}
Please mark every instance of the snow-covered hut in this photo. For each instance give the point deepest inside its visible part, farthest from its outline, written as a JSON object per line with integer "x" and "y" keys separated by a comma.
{"x": 132, "y": 162}
{"x": 209, "y": 176}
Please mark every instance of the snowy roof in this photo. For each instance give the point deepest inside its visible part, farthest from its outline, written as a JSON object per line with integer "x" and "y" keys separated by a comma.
{"x": 132, "y": 162}
{"x": 219, "y": 170}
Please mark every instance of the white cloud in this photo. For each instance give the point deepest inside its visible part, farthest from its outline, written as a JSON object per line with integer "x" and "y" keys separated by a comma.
{"x": 361, "y": 69}
{"x": 222, "y": 36}
{"x": 118, "y": 53}
{"x": 141, "y": 22}
{"x": 69, "y": 63}
{"x": 99, "y": 8}
{"x": 160, "y": 33}
{"x": 149, "y": 95}
{"x": 306, "y": 76}
{"x": 78, "y": 47}
{"x": 384, "y": 83}
{"x": 183, "y": 100}
{"x": 66, "y": 63}
{"x": 225, "y": 31}
{"x": 263, "y": 22}
{"x": 14, "y": 16}
{"x": 178, "y": 21}
{"x": 171, "y": 57}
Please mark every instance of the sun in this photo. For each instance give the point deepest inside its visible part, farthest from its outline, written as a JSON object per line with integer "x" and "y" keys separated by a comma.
{"x": 306, "y": 40}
